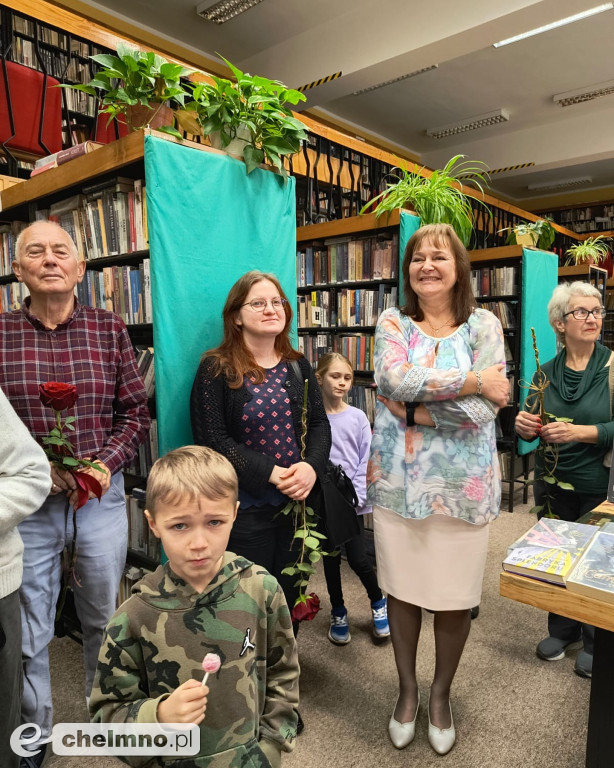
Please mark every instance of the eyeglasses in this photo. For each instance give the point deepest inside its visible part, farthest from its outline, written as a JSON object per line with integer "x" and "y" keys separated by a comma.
{"x": 259, "y": 305}
{"x": 582, "y": 314}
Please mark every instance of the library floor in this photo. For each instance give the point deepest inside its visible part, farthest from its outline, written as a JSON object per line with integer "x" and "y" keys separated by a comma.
{"x": 510, "y": 708}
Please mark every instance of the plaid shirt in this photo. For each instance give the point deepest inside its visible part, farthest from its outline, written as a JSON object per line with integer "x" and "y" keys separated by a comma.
{"x": 91, "y": 350}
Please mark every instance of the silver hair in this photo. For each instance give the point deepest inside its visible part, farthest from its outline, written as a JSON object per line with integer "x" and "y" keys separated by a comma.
{"x": 21, "y": 235}
{"x": 561, "y": 297}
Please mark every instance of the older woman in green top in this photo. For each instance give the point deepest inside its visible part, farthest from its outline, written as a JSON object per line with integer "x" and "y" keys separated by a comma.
{"x": 578, "y": 389}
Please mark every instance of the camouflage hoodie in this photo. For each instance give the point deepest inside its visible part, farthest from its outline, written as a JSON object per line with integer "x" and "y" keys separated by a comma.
{"x": 158, "y": 638}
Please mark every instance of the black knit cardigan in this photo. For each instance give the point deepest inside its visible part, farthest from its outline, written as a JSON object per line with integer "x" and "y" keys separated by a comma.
{"x": 216, "y": 414}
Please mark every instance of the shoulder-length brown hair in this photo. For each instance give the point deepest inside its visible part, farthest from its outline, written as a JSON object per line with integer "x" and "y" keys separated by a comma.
{"x": 232, "y": 358}
{"x": 442, "y": 236}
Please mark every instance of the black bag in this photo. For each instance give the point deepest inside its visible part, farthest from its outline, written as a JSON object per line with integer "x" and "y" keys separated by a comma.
{"x": 338, "y": 505}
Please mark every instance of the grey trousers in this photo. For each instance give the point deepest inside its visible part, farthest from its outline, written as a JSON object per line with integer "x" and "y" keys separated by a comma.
{"x": 10, "y": 677}
{"x": 102, "y": 535}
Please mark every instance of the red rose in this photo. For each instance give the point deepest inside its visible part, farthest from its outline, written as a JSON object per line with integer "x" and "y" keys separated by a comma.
{"x": 58, "y": 395}
{"x": 306, "y": 608}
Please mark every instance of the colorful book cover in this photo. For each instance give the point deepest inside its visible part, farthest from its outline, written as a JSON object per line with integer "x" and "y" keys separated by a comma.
{"x": 549, "y": 550}
{"x": 593, "y": 575}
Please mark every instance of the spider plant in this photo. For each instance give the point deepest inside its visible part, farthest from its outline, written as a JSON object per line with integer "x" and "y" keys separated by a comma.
{"x": 593, "y": 250}
{"x": 438, "y": 199}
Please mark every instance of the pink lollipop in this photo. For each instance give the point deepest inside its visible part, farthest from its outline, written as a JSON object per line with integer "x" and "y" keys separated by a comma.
{"x": 211, "y": 663}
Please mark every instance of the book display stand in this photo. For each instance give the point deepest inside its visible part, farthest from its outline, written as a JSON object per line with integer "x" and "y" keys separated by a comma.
{"x": 548, "y": 597}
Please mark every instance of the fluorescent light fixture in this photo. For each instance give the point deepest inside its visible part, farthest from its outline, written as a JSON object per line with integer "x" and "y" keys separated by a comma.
{"x": 221, "y": 11}
{"x": 395, "y": 80}
{"x": 555, "y": 24}
{"x": 584, "y": 94}
{"x": 579, "y": 182}
{"x": 469, "y": 124}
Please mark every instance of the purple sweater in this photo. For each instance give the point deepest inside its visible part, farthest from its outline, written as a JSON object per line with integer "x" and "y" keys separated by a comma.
{"x": 351, "y": 434}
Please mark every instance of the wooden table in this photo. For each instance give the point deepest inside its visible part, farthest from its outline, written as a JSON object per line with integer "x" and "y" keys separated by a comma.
{"x": 549, "y": 597}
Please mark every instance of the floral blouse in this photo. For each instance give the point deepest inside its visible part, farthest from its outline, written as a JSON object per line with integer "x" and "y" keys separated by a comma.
{"x": 451, "y": 468}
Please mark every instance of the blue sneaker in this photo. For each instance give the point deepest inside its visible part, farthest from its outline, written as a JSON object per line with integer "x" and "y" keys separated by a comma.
{"x": 379, "y": 609}
{"x": 339, "y": 632}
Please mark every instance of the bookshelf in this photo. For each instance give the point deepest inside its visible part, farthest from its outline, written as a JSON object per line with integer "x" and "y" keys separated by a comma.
{"x": 347, "y": 274}
{"x": 596, "y": 217}
{"x": 512, "y": 282}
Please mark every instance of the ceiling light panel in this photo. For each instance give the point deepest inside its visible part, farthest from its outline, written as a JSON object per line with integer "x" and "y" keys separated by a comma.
{"x": 566, "y": 184}
{"x": 395, "y": 80}
{"x": 584, "y": 94}
{"x": 469, "y": 124}
{"x": 221, "y": 11}
{"x": 555, "y": 24}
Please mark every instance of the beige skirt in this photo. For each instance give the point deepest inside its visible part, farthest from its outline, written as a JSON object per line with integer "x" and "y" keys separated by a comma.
{"x": 437, "y": 563}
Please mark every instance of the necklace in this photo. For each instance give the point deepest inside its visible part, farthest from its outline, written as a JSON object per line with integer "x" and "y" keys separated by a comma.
{"x": 435, "y": 331}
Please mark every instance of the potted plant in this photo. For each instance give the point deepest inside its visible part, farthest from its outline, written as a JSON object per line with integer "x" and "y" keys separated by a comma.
{"x": 536, "y": 234}
{"x": 140, "y": 85}
{"x": 593, "y": 250}
{"x": 440, "y": 198}
{"x": 249, "y": 118}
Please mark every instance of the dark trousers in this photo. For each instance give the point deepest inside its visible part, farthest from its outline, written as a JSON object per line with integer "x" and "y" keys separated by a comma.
{"x": 359, "y": 563}
{"x": 10, "y": 676}
{"x": 265, "y": 537}
{"x": 568, "y": 505}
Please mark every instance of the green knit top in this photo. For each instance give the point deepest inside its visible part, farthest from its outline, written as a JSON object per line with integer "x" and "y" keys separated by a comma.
{"x": 584, "y": 397}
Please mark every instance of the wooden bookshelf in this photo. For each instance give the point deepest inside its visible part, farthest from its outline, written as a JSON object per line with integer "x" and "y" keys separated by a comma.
{"x": 349, "y": 226}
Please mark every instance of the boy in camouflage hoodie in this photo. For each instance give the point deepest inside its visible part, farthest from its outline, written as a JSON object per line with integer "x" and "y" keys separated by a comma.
{"x": 203, "y": 600}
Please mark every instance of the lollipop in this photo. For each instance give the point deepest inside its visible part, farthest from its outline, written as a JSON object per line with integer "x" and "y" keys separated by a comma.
{"x": 211, "y": 663}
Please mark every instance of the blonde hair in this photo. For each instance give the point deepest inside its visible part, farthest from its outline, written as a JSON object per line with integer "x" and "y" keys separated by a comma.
{"x": 325, "y": 362}
{"x": 189, "y": 472}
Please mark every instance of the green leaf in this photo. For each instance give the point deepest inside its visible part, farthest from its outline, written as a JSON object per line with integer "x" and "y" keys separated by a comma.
{"x": 288, "y": 571}
{"x": 68, "y": 461}
{"x": 312, "y": 542}
{"x": 549, "y": 479}
{"x": 314, "y": 557}
{"x": 300, "y": 534}
{"x": 536, "y": 510}
{"x": 170, "y": 131}
{"x": 565, "y": 486}
{"x": 563, "y": 419}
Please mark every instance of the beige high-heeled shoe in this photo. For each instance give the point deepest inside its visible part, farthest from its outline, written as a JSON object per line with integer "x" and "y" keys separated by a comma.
{"x": 442, "y": 739}
{"x": 402, "y": 734}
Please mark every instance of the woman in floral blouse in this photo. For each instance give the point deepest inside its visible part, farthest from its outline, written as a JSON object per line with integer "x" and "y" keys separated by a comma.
{"x": 433, "y": 476}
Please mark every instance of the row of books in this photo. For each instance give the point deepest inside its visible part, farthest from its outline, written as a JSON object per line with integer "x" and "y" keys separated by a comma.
{"x": 140, "y": 537}
{"x": 497, "y": 281}
{"x": 124, "y": 290}
{"x": 348, "y": 260}
{"x": 145, "y": 361}
{"x": 347, "y": 307}
{"x": 9, "y": 233}
{"x": 358, "y": 348}
{"x": 12, "y": 296}
{"x": 364, "y": 397}
{"x": 147, "y": 454}
{"x": 503, "y": 310}
{"x": 575, "y": 555}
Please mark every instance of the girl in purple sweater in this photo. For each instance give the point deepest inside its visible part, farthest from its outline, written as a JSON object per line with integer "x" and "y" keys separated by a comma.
{"x": 351, "y": 440}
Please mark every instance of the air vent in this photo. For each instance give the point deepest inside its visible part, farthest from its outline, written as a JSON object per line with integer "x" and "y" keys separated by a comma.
{"x": 395, "y": 80}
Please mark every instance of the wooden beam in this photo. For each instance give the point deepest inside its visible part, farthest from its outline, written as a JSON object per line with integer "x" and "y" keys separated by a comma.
{"x": 348, "y": 226}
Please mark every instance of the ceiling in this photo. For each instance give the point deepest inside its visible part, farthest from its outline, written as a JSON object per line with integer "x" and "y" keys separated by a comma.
{"x": 301, "y": 41}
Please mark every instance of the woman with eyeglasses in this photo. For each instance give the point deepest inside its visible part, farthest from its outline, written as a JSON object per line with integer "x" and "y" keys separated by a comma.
{"x": 246, "y": 404}
{"x": 578, "y": 389}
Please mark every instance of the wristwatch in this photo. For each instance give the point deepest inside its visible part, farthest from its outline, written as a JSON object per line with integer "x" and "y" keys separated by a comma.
{"x": 409, "y": 413}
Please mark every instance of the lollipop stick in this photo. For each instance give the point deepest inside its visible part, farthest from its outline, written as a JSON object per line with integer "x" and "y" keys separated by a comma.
{"x": 205, "y": 678}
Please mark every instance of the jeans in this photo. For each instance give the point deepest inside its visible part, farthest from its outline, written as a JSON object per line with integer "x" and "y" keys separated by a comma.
{"x": 11, "y": 677}
{"x": 568, "y": 505}
{"x": 102, "y": 536}
{"x": 359, "y": 563}
{"x": 265, "y": 537}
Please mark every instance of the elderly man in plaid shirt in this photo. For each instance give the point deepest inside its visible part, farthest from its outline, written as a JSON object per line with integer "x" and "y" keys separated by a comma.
{"x": 54, "y": 338}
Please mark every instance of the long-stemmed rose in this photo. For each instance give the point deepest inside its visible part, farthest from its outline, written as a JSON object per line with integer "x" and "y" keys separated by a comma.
{"x": 305, "y": 524}
{"x": 59, "y": 450}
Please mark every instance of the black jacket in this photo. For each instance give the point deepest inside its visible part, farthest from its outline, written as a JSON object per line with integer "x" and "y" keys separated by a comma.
{"x": 216, "y": 414}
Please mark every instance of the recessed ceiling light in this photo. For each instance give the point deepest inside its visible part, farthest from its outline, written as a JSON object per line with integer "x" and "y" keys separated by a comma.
{"x": 579, "y": 182}
{"x": 394, "y": 80}
{"x": 588, "y": 93}
{"x": 469, "y": 124}
{"x": 555, "y": 24}
{"x": 221, "y": 11}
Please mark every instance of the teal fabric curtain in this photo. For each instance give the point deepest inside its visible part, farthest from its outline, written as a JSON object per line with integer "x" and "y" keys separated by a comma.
{"x": 409, "y": 224}
{"x": 208, "y": 223}
{"x": 539, "y": 279}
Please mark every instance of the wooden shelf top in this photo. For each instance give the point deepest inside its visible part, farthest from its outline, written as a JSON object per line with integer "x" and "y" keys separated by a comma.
{"x": 349, "y": 226}
{"x": 550, "y": 597}
{"x": 580, "y": 269}
{"x": 494, "y": 254}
